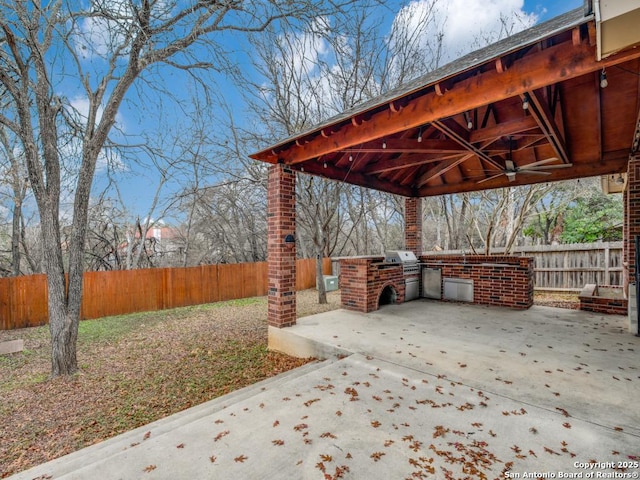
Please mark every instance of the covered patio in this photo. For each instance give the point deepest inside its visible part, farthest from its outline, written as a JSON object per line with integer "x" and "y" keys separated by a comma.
{"x": 556, "y": 102}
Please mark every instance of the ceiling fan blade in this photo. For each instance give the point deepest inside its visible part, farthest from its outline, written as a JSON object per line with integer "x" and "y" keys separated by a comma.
{"x": 490, "y": 178}
{"x": 548, "y": 167}
{"x": 541, "y": 162}
{"x": 526, "y": 171}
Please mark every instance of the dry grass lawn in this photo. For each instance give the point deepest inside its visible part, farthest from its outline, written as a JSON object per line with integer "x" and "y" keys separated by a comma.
{"x": 134, "y": 369}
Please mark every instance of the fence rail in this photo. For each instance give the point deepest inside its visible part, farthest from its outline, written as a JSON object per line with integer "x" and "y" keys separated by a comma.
{"x": 569, "y": 267}
{"x": 23, "y": 300}
{"x": 563, "y": 267}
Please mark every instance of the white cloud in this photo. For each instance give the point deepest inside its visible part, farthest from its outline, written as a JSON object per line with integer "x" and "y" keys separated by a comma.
{"x": 80, "y": 109}
{"x": 108, "y": 159}
{"x": 465, "y": 25}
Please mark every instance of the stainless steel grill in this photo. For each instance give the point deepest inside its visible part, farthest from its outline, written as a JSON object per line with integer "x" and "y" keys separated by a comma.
{"x": 407, "y": 259}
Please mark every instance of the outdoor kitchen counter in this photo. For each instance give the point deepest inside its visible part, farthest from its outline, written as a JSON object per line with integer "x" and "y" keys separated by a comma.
{"x": 505, "y": 281}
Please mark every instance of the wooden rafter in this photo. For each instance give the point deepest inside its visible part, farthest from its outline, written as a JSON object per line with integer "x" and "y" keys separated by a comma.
{"x": 405, "y": 162}
{"x": 457, "y": 134}
{"x": 540, "y": 111}
{"x": 441, "y": 169}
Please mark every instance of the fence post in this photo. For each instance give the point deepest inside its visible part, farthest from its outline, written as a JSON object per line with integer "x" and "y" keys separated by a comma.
{"x": 607, "y": 280}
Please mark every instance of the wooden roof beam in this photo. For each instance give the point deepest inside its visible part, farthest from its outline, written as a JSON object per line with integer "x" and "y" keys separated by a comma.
{"x": 459, "y": 136}
{"x": 441, "y": 169}
{"x": 613, "y": 162}
{"x": 354, "y": 178}
{"x": 405, "y": 161}
{"x": 408, "y": 146}
{"x": 539, "y": 69}
{"x": 540, "y": 111}
{"x": 504, "y": 129}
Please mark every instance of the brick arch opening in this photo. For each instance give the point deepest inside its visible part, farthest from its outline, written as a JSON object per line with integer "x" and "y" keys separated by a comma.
{"x": 388, "y": 295}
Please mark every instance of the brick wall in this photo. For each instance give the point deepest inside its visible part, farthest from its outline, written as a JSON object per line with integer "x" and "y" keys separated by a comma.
{"x": 281, "y": 256}
{"x": 590, "y": 302}
{"x": 509, "y": 284}
{"x": 362, "y": 281}
{"x": 413, "y": 225}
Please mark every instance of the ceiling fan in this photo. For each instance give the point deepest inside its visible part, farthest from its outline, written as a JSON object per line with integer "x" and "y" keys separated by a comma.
{"x": 535, "y": 168}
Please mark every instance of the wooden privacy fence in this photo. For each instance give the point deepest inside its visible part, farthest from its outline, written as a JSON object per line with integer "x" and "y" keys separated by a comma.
{"x": 570, "y": 267}
{"x": 23, "y": 300}
{"x": 563, "y": 267}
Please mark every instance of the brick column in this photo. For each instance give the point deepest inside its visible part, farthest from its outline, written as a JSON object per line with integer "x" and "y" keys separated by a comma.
{"x": 631, "y": 223}
{"x": 281, "y": 222}
{"x": 413, "y": 225}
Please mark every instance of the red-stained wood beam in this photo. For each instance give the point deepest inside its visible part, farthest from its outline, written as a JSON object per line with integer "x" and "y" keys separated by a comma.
{"x": 408, "y": 146}
{"x": 441, "y": 169}
{"x": 540, "y": 110}
{"x": 355, "y": 178}
{"x": 539, "y": 69}
{"x": 613, "y": 162}
{"x": 405, "y": 161}
{"x": 460, "y": 136}
{"x": 504, "y": 129}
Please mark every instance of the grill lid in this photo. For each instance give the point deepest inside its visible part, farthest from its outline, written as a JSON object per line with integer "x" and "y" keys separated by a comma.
{"x": 400, "y": 256}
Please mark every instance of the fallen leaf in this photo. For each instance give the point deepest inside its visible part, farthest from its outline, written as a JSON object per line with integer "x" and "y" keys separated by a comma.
{"x": 150, "y": 468}
{"x": 376, "y": 456}
{"x": 240, "y": 458}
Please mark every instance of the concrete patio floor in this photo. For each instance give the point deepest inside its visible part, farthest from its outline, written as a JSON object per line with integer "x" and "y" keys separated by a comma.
{"x": 420, "y": 390}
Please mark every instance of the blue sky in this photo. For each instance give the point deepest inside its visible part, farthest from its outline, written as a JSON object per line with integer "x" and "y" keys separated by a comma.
{"x": 137, "y": 185}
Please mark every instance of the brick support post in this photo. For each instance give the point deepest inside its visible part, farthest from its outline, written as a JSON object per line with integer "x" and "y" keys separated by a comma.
{"x": 413, "y": 225}
{"x": 631, "y": 224}
{"x": 281, "y": 249}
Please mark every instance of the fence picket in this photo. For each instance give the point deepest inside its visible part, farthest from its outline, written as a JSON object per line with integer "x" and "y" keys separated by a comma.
{"x": 23, "y": 300}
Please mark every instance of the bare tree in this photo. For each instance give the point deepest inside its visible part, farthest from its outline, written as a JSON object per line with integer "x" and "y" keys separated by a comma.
{"x": 15, "y": 176}
{"x": 127, "y": 41}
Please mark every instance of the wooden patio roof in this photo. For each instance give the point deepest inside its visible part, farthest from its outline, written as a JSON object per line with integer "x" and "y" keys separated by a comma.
{"x": 464, "y": 127}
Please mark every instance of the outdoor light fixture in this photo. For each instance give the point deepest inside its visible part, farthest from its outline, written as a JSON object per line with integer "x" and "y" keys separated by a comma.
{"x": 384, "y": 144}
{"x": 289, "y": 240}
{"x": 325, "y": 164}
{"x": 604, "y": 83}
{"x": 469, "y": 124}
{"x": 420, "y": 135}
{"x": 619, "y": 180}
{"x": 351, "y": 158}
{"x": 525, "y": 102}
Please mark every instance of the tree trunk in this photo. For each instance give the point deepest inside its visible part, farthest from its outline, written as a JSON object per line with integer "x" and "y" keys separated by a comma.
{"x": 62, "y": 325}
{"x": 15, "y": 238}
{"x": 322, "y": 292}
